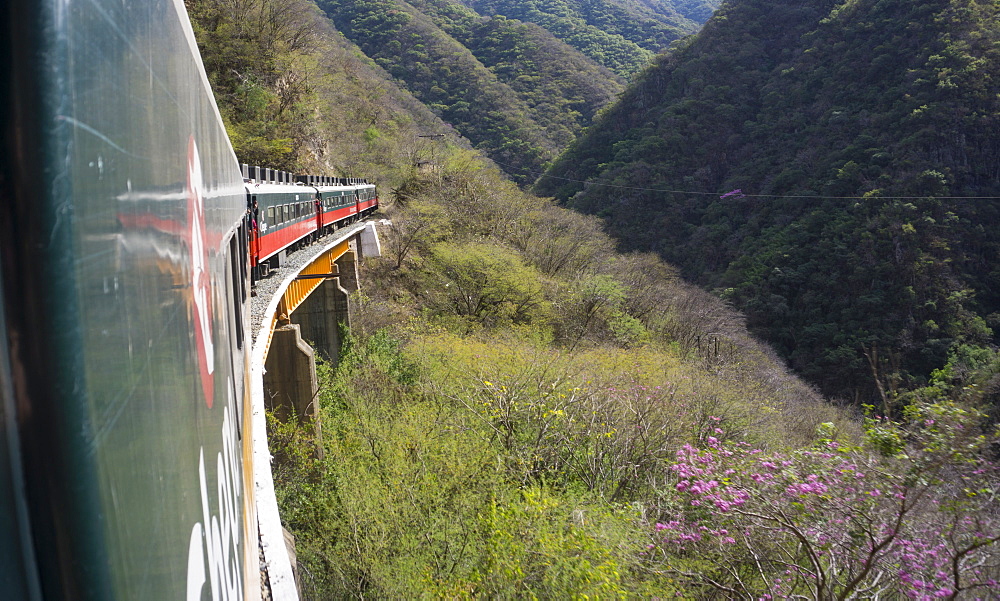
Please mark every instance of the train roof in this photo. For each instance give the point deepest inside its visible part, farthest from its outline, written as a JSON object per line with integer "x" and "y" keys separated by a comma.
{"x": 254, "y": 187}
{"x": 277, "y": 188}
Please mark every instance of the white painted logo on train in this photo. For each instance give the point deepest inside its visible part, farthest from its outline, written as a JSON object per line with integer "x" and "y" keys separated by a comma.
{"x": 214, "y": 546}
{"x": 201, "y": 282}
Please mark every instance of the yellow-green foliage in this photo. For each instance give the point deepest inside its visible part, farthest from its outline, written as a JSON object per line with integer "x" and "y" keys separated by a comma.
{"x": 483, "y": 282}
{"x": 415, "y": 497}
{"x": 534, "y": 551}
{"x": 498, "y": 465}
{"x": 516, "y": 438}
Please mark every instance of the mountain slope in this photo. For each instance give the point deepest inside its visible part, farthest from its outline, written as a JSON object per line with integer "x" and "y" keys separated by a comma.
{"x": 521, "y": 113}
{"x": 562, "y": 88}
{"x": 802, "y": 104}
{"x": 296, "y": 95}
{"x": 622, "y": 35}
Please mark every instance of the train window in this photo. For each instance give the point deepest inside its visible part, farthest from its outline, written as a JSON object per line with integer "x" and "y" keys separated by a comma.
{"x": 237, "y": 286}
{"x": 284, "y": 213}
{"x": 235, "y": 324}
{"x": 270, "y": 214}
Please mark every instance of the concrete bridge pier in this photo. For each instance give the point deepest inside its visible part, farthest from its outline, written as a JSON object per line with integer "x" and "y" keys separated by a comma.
{"x": 290, "y": 383}
{"x": 320, "y": 316}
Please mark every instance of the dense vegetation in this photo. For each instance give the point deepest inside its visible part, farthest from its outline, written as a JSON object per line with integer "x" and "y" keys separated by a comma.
{"x": 512, "y": 88}
{"x": 515, "y": 91}
{"x": 295, "y": 95}
{"x": 525, "y": 413}
{"x": 522, "y": 411}
{"x": 847, "y": 129}
{"x": 622, "y": 35}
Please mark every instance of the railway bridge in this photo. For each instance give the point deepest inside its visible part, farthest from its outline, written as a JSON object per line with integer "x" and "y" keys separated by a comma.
{"x": 296, "y": 312}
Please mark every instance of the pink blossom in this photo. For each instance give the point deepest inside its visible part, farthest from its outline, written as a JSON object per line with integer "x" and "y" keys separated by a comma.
{"x": 702, "y": 487}
{"x": 723, "y": 505}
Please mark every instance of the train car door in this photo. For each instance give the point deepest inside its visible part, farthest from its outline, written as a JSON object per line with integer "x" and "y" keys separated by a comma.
{"x": 319, "y": 213}
{"x": 254, "y": 230}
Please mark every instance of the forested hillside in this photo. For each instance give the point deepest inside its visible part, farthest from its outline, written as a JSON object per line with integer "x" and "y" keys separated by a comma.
{"x": 832, "y": 168}
{"x": 521, "y": 411}
{"x": 518, "y": 91}
{"x": 295, "y": 95}
{"x": 515, "y": 91}
{"x": 622, "y": 35}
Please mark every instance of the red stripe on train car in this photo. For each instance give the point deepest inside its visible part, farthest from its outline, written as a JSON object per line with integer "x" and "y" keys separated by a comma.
{"x": 274, "y": 241}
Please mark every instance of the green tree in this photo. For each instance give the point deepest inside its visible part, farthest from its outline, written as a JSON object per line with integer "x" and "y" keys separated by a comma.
{"x": 483, "y": 282}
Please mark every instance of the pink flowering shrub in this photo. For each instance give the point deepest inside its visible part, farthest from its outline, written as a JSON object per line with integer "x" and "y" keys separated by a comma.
{"x": 914, "y": 513}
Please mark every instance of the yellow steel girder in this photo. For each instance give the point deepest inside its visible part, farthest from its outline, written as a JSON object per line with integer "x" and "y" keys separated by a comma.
{"x": 323, "y": 266}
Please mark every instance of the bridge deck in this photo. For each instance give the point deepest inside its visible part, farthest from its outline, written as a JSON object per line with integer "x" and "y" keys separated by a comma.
{"x": 281, "y": 292}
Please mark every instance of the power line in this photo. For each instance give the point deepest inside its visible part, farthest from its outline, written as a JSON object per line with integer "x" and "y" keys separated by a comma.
{"x": 744, "y": 195}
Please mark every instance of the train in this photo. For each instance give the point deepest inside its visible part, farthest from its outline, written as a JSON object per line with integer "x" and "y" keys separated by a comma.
{"x": 289, "y": 210}
{"x": 130, "y": 238}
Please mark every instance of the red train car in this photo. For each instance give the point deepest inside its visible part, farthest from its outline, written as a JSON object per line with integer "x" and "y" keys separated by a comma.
{"x": 285, "y": 215}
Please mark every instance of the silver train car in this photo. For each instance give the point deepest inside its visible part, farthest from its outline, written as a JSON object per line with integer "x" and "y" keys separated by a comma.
{"x": 123, "y": 268}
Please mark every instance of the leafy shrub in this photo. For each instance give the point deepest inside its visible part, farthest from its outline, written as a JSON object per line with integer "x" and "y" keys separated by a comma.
{"x": 485, "y": 283}
{"x": 917, "y": 519}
